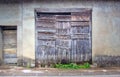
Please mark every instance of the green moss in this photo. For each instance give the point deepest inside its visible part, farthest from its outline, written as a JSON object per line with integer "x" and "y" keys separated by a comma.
{"x": 72, "y": 66}
{"x": 28, "y": 65}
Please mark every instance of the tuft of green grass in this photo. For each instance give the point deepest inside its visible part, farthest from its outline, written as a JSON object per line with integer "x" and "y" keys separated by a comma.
{"x": 72, "y": 66}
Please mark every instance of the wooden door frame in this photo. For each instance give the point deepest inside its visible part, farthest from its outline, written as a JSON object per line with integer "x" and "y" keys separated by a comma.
{"x": 63, "y": 10}
{"x": 7, "y": 27}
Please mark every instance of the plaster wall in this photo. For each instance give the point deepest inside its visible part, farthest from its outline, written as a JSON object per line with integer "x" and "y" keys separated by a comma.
{"x": 105, "y": 24}
{"x": 11, "y": 15}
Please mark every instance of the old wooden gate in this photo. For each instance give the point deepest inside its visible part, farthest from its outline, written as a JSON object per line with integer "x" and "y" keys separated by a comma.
{"x": 63, "y": 36}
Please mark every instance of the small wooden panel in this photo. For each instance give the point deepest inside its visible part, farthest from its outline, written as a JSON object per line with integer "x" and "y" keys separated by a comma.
{"x": 80, "y": 23}
{"x": 45, "y": 28}
{"x": 81, "y": 50}
{"x": 46, "y": 36}
{"x": 46, "y": 42}
{"x": 63, "y": 17}
{"x": 44, "y": 23}
{"x": 63, "y": 48}
{"x": 45, "y": 16}
{"x": 46, "y": 31}
{"x": 80, "y": 36}
{"x": 63, "y": 37}
{"x": 81, "y": 29}
{"x": 10, "y": 38}
{"x": 63, "y": 28}
{"x": 45, "y": 50}
{"x": 63, "y": 43}
{"x": 63, "y": 31}
{"x": 63, "y": 25}
{"x": 80, "y": 16}
{"x": 10, "y": 46}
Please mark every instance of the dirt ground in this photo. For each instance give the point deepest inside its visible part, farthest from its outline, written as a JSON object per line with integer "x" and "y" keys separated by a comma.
{"x": 22, "y": 71}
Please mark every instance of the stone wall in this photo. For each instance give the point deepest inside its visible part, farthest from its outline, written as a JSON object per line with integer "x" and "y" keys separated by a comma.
{"x": 106, "y": 61}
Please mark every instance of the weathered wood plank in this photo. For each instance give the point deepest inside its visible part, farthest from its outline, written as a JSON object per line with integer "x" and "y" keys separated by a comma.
{"x": 44, "y": 35}
{"x": 47, "y": 24}
{"x": 10, "y": 46}
{"x": 45, "y": 28}
{"x": 79, "y": 23}
{"x": 46, "y": 31}
{"x": 80, "y": 37}
{"x": 80, "y": 30}
{"x": 63, "y": 25}
{"x": 45, "y": 51}
{"x": 63, "y": 17}
{"x": 62, "y": 10}
{"x": 64, "y": 37}
{"x": 46, "y": 16}
{"x": 82, "y": 16}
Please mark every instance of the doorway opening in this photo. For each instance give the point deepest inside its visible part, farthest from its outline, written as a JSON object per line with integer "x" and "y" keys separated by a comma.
{"x": 9, "y": 44}
{"x": 63, "y": 35}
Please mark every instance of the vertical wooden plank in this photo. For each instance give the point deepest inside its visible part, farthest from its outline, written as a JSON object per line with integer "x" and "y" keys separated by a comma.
{"x": 75, "y": 50}
{"x": 80, "y": 30}
{"x": 63, "y": 34}
{"x": 90, "y": 37}
{"x": 45, "y": 36}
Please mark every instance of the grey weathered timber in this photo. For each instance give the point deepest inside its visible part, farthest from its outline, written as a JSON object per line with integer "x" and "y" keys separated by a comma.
{"x": 63, "y": 37}
{"x": 56, "y": 10}
{"x": 10, "y": 46}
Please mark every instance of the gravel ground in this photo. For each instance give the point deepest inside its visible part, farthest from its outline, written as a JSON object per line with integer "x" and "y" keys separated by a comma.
{"x": 21, "y": 71}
